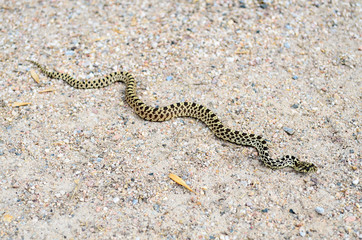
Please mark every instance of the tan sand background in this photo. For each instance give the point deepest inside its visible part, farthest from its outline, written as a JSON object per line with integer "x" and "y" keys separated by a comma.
{"x": 79, "y": 164}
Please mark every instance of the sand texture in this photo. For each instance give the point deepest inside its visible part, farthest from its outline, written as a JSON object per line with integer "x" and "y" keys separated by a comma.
{"x": 80, "y": 164}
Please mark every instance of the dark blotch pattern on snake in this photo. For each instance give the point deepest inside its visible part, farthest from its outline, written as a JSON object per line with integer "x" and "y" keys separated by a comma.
{"x": 185, "y": 109}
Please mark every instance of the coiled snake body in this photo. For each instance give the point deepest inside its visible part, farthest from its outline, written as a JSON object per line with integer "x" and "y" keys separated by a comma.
{"x": 185, "y": 109}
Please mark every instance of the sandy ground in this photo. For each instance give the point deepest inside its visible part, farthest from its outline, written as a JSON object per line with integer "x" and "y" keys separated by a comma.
{"x": 79, "y": 164}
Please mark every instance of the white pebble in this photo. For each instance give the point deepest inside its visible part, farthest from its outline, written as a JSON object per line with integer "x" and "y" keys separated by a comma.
{"x": 302, "y": 232}
{"x": 355, "y": 182}
{"x": 230, "y": 59}
{"x": 319, "y": 210}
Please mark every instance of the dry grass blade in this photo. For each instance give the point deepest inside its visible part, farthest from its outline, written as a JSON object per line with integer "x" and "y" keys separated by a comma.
{"x": 47, "y": 90}
{"x": 35, "y": 76}
{"x": 19, "y": 104}
{"x": 179, "y": 180}
{"x": 134, "y": 21}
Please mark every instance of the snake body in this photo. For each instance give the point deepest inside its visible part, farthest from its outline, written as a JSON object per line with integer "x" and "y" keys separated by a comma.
{"x": 185, "y": 109}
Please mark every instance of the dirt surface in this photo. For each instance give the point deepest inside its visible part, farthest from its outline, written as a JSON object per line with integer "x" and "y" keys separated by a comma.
{"x": 80, "y": 164}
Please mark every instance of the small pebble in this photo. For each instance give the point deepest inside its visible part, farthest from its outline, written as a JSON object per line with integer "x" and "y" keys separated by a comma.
{"x": 355, "y": 182}
{"x": 69, "y": 53}
{"x": 295, "y": 106}
{"x": 242, "y": 4}
{"x": 290, "y": 131}
{"x": 348, "y": 208}
{"x": 287, "y": 26}
{"x": 350, "y": 219}
{"x": 156, "y": 207}
{"x": 295, "y": 77}
{"x": 265, "y": 210}
{"x": 169, "y": 78}
{"x": 286, "y": 45}
{"x": 12, "y": 150}
{"x": 230, "y": 59}
{"x": 302, "y": 232}
{"x": 319, "y": 210}
{"x": 263, "y": 5}
{"x": 116, "y": 199}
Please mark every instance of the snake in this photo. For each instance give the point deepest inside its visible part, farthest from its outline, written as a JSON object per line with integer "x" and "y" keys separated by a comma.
{"x": 184, "y": 109}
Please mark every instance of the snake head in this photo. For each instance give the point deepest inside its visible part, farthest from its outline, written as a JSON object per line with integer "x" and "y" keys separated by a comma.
{"x": 305, "y": 167}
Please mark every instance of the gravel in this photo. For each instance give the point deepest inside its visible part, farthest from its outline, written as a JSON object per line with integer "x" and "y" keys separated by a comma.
{"x": 79, "y": 164}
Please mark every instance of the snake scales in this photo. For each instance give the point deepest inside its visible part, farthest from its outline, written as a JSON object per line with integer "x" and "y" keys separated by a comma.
{"x": 185, "y": 109}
